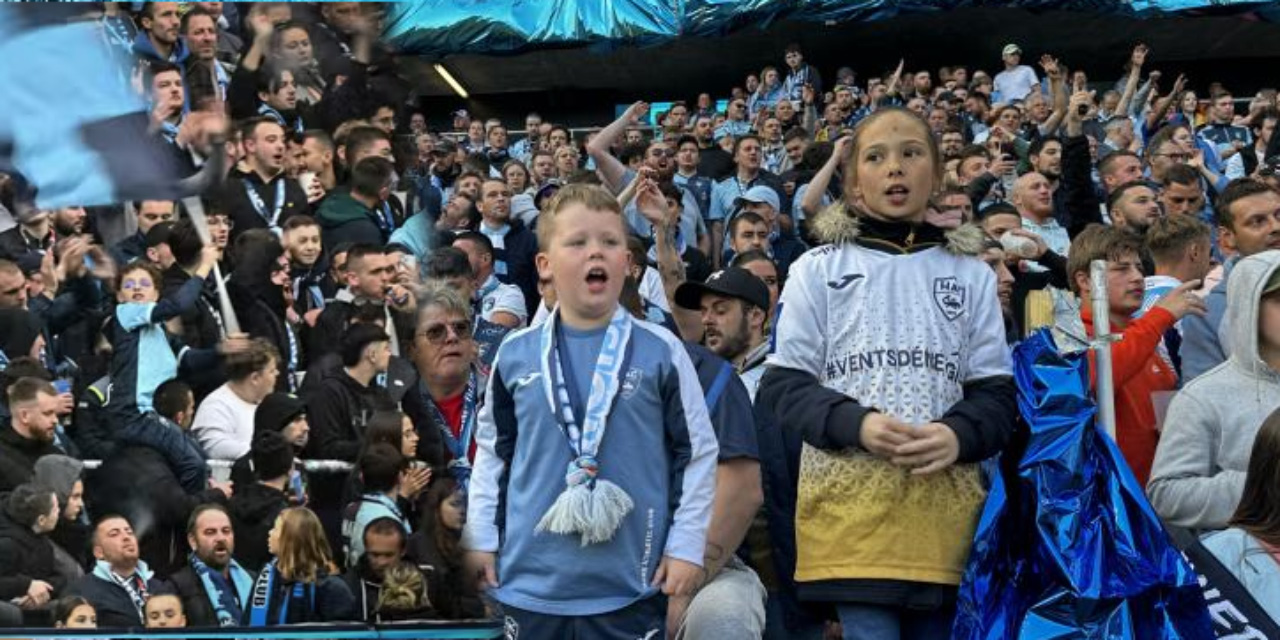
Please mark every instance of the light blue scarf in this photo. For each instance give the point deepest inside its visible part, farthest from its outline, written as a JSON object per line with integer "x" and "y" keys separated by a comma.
{"x": 589, "y": 506}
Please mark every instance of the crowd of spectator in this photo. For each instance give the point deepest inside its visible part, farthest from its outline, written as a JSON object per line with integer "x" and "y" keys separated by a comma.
{"x": 340, "y": 388}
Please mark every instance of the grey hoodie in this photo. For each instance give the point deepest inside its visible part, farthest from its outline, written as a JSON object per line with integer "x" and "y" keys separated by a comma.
{"x": 1198, "y": 474}
{"x": 59, "y": 474}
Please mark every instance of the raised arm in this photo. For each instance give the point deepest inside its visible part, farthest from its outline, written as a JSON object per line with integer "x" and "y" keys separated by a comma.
{"x": 1164, "y": 102}
{"x": 812, "y": 200}
{"x": 1136, "y": 60}
{"x": 1057, "y": 89}
{"x": 610, "y": 168}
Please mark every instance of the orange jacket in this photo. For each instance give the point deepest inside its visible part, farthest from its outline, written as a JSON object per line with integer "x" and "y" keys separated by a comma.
{"x": 1137, "y": 371}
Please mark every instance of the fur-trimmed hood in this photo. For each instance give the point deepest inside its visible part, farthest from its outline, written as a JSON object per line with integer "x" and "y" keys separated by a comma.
{"x": 840, "y": 224}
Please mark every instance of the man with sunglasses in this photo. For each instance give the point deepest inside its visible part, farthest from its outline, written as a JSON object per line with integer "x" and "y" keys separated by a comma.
{"x": 444, "y": 405}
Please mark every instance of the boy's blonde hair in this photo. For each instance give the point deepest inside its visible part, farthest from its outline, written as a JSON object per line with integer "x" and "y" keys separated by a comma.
{"x": 589, "y": 196}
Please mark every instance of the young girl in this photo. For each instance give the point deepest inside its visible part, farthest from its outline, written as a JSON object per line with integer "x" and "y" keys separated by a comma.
{"x": 437, "y": 548}
{"x": 403, "y": 595}
{"x": 300, "y": 584}
{"x": 74, "y": 612}
{"x": 891, "y": 362}
{"x": 144, "y": 356}
{"x": 1250, "y": 549}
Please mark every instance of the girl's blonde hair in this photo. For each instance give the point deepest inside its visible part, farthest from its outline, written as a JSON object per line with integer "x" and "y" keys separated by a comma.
{"x": 304, "y": 549}
{"x": 588, "y": 195}
{"x": 851, "y": 161}
{"x": 403, "y": 589}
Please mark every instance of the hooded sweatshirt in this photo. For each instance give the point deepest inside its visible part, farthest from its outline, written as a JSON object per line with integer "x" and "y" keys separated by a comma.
{"x": 253, "y": 510}
{"x": 19, "y": 329}
{"x": 345, "y": 219}
{"x": 1198, "y": 475}
{"x": 260, "y": 305}
{"x": 60, "y": 474}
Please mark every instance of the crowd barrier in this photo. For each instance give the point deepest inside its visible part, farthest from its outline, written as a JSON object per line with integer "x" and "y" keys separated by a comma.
{"x": 221, "y": 469}
{"x": 454, "y": 630}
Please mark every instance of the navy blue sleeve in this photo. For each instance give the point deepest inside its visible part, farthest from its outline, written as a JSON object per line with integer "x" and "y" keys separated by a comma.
{"x": 728, "y": 403}
{"x": 181, "y": 302}
{"x": 732, "y": 419}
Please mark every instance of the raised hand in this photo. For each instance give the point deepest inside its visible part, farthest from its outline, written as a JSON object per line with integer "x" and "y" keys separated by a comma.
{"x": 1182, "y": 300}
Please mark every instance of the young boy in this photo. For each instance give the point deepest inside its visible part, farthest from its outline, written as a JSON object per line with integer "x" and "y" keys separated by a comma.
{"x": 584, "y": 554}
{"x": 302, "y": 242}
{"x": 164, "y": 611}
{"x": 1137, "y": 368}
{"x": 145, "y": 355}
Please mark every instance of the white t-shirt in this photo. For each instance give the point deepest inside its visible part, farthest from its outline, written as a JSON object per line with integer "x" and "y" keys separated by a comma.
{"x": 224, "y": 424}
{"x": 651, "y": 289}
{"x": 497, "y": 297}
{"x": 1015, "y": 84}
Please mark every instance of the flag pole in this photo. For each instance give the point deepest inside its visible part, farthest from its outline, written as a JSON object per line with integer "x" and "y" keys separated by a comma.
{"x": 1101, "y": 345}
{"x": 195, "y": 209}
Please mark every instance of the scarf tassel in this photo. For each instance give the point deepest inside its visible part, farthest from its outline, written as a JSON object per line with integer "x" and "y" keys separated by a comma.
{"x": 595, "y": 513}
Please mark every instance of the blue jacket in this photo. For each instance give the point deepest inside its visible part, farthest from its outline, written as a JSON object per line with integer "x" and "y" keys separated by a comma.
{"x": 659, "y": 448}
{"x": 1202, "y": 348}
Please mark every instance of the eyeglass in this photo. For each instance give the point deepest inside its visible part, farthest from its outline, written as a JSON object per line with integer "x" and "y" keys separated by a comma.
{"x": 437, "y": 333}
{"x": 1176, "y": 156}
{"x": 659, "y": 152}
{"x": 140, "y": 283}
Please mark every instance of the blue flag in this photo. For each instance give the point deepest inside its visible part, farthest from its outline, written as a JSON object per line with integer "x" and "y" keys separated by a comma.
{"x": 70, "y": 124}
{"x": 1067, "y": 546}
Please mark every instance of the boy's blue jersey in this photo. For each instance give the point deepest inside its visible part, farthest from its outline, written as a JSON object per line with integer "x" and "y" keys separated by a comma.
{"x": 659, "y": 447}
{"x": 143, "y": 352}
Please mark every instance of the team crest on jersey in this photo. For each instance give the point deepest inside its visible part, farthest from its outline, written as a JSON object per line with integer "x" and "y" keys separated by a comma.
{"x": 488, "y": 304}
{"x": 631, "y": 382}
{"x": 510, "y": 628}
{"x": 949, "y": 295}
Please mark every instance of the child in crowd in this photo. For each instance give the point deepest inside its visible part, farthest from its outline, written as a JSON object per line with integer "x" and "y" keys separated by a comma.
{"x": 404, "y": 595}
{"x": 164, "y": 611}
{"x": 300, "y": 584}
{"x": 74, "y": 612}
{"x": 301, "y": 240}
{"x": 382, "y": 469}
{"x": 1250, "y": 549}
{"x": 634, "y": 504}
{"x": 144, "y": 356}
{"x": 1138, "y": 368}
{"x": 891, "y": 361}
{"x": 437, "y": 548}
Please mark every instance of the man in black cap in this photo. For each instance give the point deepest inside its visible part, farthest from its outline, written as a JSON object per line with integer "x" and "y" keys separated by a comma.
{"x": 283, "y": 413}
{"x": 733, "y": 305}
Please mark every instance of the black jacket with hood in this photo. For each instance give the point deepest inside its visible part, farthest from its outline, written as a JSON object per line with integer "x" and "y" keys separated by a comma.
{"x": 24, "y": 556}
{"x": 260, "y": 306}
{"x": 253, "y": 509}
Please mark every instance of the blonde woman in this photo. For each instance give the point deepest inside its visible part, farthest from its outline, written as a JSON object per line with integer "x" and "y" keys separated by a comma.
{"x": 300, "y": 584}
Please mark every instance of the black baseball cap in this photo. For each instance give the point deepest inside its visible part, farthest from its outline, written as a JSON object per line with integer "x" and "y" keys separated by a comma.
{"x": 734, "y": 282}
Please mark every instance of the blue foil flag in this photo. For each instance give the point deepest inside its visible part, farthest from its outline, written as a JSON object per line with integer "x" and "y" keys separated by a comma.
{"x": 1067, "y": 545}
